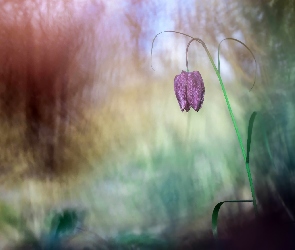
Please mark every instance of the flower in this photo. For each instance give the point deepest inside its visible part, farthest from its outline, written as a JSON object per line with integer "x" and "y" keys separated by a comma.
{"x": 189, "y": 90}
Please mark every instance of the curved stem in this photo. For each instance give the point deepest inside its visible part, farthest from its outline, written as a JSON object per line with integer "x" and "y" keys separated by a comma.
{"x": 156, "y": 37}
{"x": 228, "y": 105}
{"x": 231, "y": 114}
{"x": 229, "y": 38}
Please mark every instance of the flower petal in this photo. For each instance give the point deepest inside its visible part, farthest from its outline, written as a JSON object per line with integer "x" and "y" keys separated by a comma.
{"x": 180, "y": 88}
{"x": 195, "y": 90}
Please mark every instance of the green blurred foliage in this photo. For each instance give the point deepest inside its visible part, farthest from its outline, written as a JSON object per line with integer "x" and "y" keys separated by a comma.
{"x": 163, "y": 170}
{"x": 273, "y": 23}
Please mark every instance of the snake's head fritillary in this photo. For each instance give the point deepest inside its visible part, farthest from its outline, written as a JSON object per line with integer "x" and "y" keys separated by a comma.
{"x": 180, "y": 88}
{"x": 189, "y": 90}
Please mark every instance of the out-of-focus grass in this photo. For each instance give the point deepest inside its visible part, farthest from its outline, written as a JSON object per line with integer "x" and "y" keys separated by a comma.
{"x": 145, "y": 166}
{"x": 165, "y": 170}
{"x": 163, "y": 173}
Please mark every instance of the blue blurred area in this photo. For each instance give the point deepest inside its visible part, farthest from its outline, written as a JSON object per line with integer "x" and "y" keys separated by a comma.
{"x": 135, "y": 162}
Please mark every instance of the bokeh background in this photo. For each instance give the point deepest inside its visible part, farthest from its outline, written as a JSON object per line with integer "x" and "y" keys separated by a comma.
{"x": 87, "y": 124}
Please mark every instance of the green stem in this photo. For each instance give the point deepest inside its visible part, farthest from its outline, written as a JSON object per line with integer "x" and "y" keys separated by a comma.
{"x": 232, "y": 117}
{"x": 227, "y": 102}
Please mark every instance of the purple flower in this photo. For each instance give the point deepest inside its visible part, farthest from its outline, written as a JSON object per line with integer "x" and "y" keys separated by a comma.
{"x": 189, "y": 90}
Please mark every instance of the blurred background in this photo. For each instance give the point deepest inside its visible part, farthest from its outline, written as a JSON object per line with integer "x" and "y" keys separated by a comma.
{"x": 86, "y": 123}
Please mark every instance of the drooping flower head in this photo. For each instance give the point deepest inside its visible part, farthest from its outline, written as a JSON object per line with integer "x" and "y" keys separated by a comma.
{"x": 189, "y": 90}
